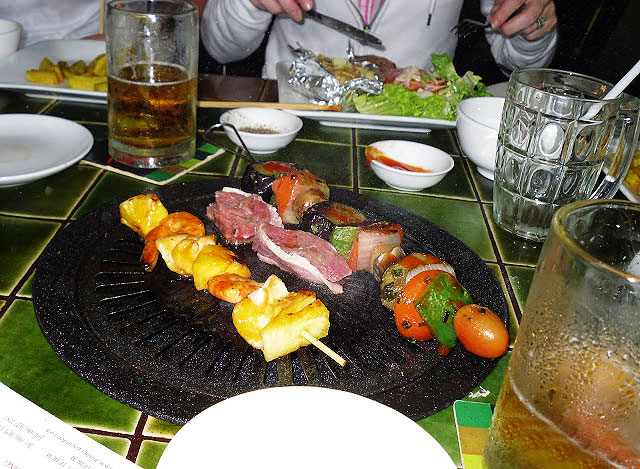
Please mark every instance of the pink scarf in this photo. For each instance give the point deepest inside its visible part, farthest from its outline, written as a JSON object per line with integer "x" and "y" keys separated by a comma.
{"x": 368, "y": 8}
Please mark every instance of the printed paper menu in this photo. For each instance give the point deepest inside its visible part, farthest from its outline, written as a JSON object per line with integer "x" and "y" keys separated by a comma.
{"x": 30, "y": 437}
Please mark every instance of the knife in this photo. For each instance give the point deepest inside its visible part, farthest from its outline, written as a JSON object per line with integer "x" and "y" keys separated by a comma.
{"x": 363, "y": 37}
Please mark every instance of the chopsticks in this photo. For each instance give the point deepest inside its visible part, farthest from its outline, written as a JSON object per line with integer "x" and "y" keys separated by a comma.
{"x": 102, "y": 16}
{"x": 298, "y": 106}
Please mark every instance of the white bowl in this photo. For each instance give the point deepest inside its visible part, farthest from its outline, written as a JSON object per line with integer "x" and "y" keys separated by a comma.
{"x": 498, "y": 89}
{"x": 478, "y": 123}
{"x": 270, "y": 129}
{"x": 9, "y": 37}
{"x": 431, "y": 159}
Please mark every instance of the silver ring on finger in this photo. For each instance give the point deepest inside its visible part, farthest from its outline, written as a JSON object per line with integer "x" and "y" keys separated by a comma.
{"x": 541, "y": 21}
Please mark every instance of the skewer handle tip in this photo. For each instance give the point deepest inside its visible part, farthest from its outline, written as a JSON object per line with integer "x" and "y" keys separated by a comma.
{"x": 333, "y": 355}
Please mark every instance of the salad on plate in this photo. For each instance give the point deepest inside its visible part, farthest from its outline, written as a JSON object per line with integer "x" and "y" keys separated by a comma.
{"x": 413, "y": 92}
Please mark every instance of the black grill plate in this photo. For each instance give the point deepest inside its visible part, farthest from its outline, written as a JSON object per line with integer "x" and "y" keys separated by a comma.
{"x": 154, "y": 342}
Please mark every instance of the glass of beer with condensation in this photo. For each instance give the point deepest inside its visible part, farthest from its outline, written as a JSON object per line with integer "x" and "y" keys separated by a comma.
{"x": 571, "y": 395}
{"x": 152, "y": 68}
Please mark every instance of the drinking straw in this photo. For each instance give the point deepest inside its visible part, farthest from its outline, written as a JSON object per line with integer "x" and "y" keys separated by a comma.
{"x": 624, "y": 82}
{"x": 616, "y": 90}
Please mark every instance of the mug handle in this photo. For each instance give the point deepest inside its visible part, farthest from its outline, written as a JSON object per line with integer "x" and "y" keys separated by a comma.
{"x": 620, "y": 156}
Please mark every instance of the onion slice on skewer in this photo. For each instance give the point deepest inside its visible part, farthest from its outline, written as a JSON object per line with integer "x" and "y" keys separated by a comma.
{"x": 444, "y": 267}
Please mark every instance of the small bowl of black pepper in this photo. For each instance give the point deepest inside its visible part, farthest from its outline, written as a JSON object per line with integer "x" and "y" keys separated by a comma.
{"x": 263, "y": 130}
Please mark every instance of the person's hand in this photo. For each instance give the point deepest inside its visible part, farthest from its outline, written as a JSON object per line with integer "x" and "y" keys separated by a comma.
{"x": 537, "y": 18}
{"x": 293, "y": 8}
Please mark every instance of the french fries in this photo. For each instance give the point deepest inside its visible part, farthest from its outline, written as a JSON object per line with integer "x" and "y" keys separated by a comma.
{"x": 43, "y": 77}
{"x": 79, "y": 75}
{"x": 632, "y": 178}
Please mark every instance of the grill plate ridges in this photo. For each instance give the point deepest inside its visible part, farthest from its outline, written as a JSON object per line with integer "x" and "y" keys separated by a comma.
{"x": 158, "y": 320}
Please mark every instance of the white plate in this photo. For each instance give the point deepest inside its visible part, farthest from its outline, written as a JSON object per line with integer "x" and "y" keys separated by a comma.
{"x": 15, "y": 66}
{"x": 376, "y": 121}
{"x": 34, "y": 146}
{"x": 287, "y": 94}
{"x": 310, "y": 427}
{"x": 498, "y": 89}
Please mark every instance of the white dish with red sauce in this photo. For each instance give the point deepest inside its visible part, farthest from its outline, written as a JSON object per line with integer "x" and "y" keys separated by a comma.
{"x": 408, "y": 166}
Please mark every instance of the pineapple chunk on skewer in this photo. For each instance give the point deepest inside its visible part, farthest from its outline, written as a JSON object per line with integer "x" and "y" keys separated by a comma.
{"x": 273, "y": 320}
{"x": 256, "y": 310}
{"x": 283, "y": 334}
{"x": 187, "y": 250}
{"x": 142, "y": 213}
{"x": 215, "y": 260}
{"x": 211, "y": 261}
{"x": 166, "y": 246}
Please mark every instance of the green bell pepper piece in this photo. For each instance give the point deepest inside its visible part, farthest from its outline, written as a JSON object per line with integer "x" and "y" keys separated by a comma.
{"x": 438, "y": 304}
{"x": 342, "y": 238}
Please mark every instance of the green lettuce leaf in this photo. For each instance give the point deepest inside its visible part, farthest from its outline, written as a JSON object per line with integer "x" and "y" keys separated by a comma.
{"x": 396, "y": 100}
{"x": 443, "y": 67}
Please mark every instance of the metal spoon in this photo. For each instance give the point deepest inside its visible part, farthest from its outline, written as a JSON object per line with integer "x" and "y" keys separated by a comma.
{"x": 248, "y": 156}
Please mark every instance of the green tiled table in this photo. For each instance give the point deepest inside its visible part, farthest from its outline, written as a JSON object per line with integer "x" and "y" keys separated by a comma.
{"x": 30, "y": 215}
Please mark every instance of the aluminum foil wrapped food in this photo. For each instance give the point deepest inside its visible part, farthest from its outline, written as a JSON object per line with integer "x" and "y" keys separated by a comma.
{"x": 325, "y": 80}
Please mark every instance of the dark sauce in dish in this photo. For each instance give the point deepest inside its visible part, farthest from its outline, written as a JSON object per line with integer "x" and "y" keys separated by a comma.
{"x": 258, "y": 130}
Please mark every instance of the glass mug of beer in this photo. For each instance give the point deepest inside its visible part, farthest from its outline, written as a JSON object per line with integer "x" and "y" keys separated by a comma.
{"x": 556, "y": 136}
{"x": 570, "y": 397}
{"x": 152, "y": 70}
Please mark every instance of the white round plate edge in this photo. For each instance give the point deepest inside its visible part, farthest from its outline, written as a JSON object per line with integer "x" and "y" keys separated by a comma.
{"x": 27, "y": 123}
{"x": 193, "y": 445}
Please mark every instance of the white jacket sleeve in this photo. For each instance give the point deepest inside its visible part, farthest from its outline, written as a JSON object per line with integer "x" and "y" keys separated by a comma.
{"x": 515, "y": 51}
{"x": 232, "y": 29}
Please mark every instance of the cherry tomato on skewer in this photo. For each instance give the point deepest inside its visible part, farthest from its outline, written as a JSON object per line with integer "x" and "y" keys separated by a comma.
{"x": 481, "y": 331}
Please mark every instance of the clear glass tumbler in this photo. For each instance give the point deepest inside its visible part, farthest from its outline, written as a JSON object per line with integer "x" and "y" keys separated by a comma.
{"x": 571, "y": 394}
{"x": 556, "y": 136}
{"x": 152, "y": 70}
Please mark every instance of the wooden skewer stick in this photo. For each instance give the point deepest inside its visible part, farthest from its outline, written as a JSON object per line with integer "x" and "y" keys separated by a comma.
{"x": 333, "y": 355}
{"x": 299, "y": 106}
